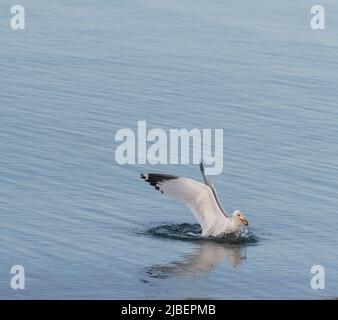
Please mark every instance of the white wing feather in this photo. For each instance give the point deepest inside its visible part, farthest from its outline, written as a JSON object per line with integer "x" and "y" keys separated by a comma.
{"x": 195, "y": 195}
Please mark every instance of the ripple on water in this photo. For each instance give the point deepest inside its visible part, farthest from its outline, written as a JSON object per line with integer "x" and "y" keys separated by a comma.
{"x": 193, "y": 232}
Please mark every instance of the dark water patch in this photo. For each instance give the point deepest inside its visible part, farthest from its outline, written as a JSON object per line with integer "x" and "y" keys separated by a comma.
{"x": 193, "y": 232}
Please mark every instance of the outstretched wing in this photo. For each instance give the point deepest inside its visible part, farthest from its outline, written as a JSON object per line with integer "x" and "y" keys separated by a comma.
{"x": 195, "y": 195}
{"x": 213, "y": 189}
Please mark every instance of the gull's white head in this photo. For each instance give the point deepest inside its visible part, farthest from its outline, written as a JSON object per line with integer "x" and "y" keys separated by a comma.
{"x": 239, "y": 217}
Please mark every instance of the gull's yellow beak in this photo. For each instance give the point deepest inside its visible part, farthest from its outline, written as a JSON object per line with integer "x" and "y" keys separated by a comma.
{"x": 244, "y": 221}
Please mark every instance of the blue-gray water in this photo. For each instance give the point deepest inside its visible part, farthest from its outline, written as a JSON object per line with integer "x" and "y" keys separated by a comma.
{"x": 81, "y": 70}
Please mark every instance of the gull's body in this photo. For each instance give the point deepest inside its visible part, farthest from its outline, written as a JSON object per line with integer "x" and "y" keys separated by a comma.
{"x": 202, "y": 200}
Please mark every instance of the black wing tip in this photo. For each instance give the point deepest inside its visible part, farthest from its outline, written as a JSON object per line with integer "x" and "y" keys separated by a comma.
{"x": 202, "y": 166}
{"x": 154, "y": 179}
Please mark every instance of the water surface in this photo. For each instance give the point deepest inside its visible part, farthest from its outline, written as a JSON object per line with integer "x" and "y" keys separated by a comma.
{"x": 82, "y": 70}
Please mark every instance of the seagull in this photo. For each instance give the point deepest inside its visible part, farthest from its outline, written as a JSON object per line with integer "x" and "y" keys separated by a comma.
{"x": 202, "y": 200}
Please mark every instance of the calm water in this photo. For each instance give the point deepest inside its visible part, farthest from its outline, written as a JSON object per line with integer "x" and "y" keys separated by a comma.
{"x": 82, "y": 70}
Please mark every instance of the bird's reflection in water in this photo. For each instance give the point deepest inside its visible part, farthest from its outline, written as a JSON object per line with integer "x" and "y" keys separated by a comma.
{"x": 207, "y": 256}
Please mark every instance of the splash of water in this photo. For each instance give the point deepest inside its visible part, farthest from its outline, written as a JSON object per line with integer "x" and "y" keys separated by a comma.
{"x": 191, "y": 232}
